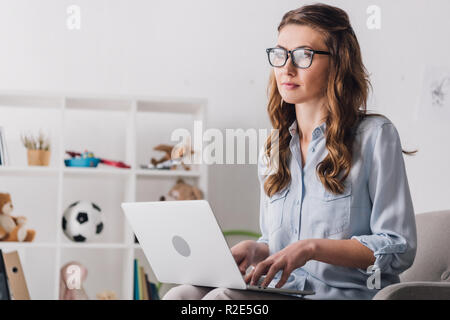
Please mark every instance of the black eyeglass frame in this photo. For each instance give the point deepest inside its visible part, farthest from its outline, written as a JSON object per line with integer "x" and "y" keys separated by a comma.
{"x": 289, "y": 52}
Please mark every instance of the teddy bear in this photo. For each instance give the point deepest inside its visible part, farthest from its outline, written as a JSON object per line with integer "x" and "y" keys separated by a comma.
{"x": 183, "y": 191}
{"x": 171, "y": 154}
{"x": 12, "y": 228}
{"x": 73, "y": 274}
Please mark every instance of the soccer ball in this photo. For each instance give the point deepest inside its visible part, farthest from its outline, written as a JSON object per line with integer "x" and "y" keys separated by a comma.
{"x": 82, "y": 220}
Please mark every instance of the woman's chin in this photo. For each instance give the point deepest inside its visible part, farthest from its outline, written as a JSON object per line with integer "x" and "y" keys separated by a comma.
{"x": 292, "y": 100}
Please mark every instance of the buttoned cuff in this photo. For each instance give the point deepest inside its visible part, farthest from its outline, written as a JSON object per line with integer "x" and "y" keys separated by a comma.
{"x": 383, "y": 247}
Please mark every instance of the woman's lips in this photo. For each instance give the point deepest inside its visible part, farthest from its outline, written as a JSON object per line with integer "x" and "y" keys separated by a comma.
{"x": 290, "y": 86}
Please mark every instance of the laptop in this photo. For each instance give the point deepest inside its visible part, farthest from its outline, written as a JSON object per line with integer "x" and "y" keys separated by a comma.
{"x": 184, "y": 244}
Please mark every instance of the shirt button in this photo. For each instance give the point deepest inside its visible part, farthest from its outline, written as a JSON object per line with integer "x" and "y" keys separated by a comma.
{"x": 315, "y": 133}
{"x": 296, "y": 231}
{"x": 313, "y": 149}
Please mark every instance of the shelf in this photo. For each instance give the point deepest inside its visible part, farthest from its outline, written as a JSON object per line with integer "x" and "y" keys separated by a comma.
{"x": 96, "y": 171}
{"x": 92, "y": 102}
{"x": 120, "y": 127}
{"x": 170, "y": 105}
{"x": 167, "y": 173}
{"x": 31, "y": 100}
{"x": 104, "y": 171}
{"x": 14, "y": 245}
{"x": 28, "y": 170}
{"x": 82, "y": 103}
{"x": 41, "y": 171}
{"x": 95, "y": 245}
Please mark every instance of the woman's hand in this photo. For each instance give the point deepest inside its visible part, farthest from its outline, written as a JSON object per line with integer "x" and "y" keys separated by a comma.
{"x": 248, "y": 253}
{"x": 290, "y": 258}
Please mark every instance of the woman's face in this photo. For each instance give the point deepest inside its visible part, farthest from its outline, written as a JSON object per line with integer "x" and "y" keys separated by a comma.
{"x": 311, "y": 82}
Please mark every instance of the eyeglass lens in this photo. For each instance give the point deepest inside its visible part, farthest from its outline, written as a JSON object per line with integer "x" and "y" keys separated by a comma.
{"x": 278, "y": 57}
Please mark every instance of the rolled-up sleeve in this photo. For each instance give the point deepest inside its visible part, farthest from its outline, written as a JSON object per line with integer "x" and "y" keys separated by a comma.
{"x": 393, "y": 237}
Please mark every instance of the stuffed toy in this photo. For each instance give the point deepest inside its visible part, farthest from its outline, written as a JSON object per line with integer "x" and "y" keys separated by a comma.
{"x": 171, "y": 154}
{"x": 12, "y": 228}
{"x": 73, "y": 274}
{"x": 183, "y": 191}
{"x": 107, "y": 295}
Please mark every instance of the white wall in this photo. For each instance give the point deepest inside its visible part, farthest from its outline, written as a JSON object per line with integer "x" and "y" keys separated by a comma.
{"x": 183, "y": 48}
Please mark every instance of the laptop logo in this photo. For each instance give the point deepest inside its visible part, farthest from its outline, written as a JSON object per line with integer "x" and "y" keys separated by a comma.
{"x": 181, "y": 246}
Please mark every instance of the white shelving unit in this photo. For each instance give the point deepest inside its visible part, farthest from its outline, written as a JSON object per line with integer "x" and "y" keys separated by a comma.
{"x": 124, "y": 128}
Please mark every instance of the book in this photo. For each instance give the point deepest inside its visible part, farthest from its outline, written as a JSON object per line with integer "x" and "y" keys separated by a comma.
{"x": 143, "y": 284}
{"x": 16, "y": 277}
{"x": 136, "y": 280}
{"x": 4, "y": 287}
{"x": 149, "y": 288}
{"x": 139, "y": 283}
{"x": 143, "y": 288}
{"x": 154, "y": 289}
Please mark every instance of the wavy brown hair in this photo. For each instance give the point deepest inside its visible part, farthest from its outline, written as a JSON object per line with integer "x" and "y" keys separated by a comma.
{"x": 347, "y": 93}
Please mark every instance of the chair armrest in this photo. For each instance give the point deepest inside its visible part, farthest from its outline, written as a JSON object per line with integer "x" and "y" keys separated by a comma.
{"x": 417, "y": 290}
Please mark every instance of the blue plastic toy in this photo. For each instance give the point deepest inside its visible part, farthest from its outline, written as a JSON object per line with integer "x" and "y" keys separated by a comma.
{"x": 86, "y": 159}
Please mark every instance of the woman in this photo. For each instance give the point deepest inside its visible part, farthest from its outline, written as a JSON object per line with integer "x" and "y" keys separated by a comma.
{"x": 336, "y": 210}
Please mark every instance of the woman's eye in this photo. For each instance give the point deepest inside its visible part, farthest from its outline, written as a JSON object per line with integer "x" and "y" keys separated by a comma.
{"x": 279, "y": 54}
{"x": 304, "y": 54}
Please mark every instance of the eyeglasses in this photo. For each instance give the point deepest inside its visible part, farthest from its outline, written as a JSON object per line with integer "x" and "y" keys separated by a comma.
{"x": 301, "y": 57}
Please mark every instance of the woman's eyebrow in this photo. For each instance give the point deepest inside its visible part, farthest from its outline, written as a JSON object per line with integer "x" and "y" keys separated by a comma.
{"x": 304, "y": 46}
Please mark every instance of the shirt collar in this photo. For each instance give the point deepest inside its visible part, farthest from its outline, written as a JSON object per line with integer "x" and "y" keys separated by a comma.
{"x": 317, "y": 132}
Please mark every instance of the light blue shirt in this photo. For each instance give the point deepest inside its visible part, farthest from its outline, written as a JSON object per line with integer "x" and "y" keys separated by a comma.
{"x": 375, "y": 208}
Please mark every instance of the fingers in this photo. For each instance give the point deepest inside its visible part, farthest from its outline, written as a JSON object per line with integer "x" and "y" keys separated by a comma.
{"x": 261, "y": 268}
{"x": 284, "y": 277}
{"x": 248, "y": 277}
{"x": 272, "y": 271}
{"x": 243, "y": 266}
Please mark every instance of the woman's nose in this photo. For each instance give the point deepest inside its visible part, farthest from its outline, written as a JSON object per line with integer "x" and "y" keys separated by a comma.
{"x": 289, "y": 66}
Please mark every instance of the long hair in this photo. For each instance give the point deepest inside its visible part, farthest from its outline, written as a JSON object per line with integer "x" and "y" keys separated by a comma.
{"x": 346, "y": 98}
